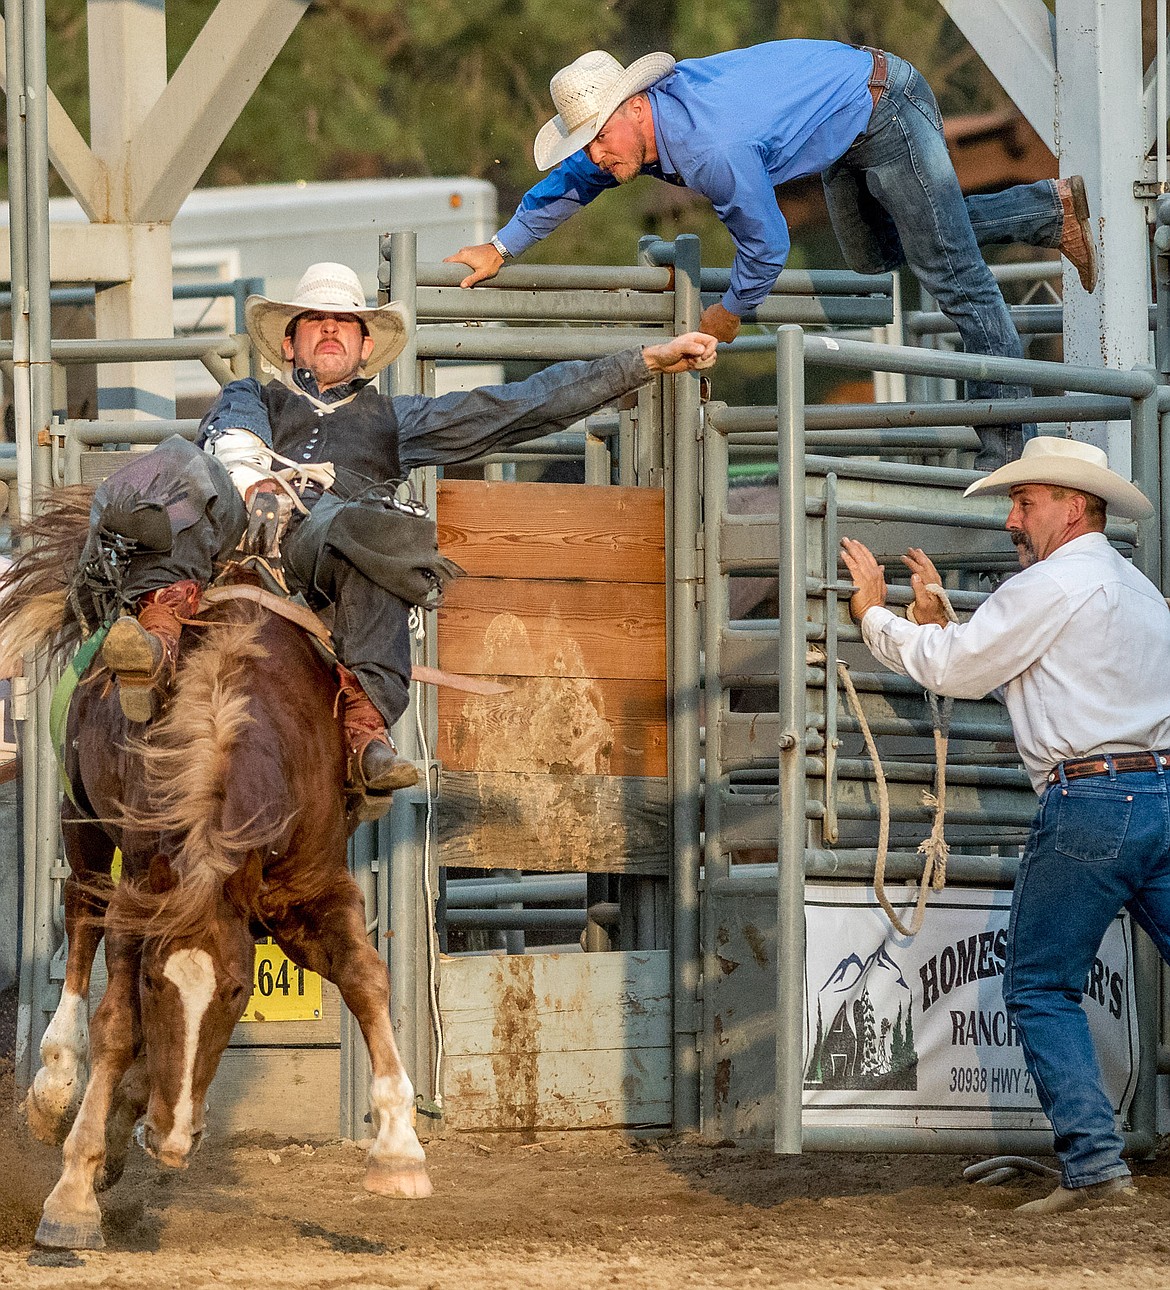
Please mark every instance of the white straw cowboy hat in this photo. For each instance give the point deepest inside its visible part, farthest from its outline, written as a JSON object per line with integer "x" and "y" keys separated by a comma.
{"x": 1067, "y": 463}
{"x": 586, "y": 94}
{"x": 326, "y": 288}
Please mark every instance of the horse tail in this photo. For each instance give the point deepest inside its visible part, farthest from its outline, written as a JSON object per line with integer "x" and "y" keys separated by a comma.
{"x": 189, "y": 762}
{"x": 34, "y": 588}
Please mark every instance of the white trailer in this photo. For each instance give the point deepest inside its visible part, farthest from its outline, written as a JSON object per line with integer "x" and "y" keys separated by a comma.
{"x": 274, "y": 232}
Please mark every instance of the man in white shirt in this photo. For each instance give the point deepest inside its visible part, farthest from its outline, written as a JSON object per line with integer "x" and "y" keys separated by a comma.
{"x": 1077, "y": 645}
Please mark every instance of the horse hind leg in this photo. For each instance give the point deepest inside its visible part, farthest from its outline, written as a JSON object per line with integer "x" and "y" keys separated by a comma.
{"x": 335, "y": 945}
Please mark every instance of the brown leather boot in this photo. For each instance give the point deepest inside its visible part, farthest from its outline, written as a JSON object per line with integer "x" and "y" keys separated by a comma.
{"x": 373, "y": 765}
{"x": 1076, "y": 236}
{"x": 142, "y": 652}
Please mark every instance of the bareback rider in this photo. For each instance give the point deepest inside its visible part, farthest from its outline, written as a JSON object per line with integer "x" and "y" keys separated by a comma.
{"x": 326, "y": 419}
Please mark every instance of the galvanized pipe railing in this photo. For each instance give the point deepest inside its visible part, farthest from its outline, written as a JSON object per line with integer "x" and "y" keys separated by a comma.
{"x": 791, "y": 827}
{"x": 1030, "y": 320}
{"x": 28, "y": 175}
{"x": 842, "y": 416}
{"x": 857, "y": 355}
{"x": 684, "y": 690}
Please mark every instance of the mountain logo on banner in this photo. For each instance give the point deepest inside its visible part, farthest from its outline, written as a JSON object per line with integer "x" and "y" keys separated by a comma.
{"x": 869, "y": 1040}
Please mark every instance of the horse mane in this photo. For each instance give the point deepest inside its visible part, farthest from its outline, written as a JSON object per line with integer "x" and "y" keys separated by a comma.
{"x": 186, "y": 761}
{"x": 33, "y": 589}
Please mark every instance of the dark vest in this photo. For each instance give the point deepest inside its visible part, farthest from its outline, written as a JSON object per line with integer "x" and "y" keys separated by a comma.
{"x": 360, "y": 438}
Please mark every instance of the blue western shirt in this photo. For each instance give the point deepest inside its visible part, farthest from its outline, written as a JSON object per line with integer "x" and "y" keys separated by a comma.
{"x": 731, "y": 127}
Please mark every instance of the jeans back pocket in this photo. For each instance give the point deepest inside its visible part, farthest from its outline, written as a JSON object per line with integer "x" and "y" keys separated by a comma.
{"x": 1091, "y": 827}
{"x": 921, "y": 95}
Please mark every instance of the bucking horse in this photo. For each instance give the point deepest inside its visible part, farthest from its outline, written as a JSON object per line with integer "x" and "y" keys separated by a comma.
{"x": 230, "y": 817}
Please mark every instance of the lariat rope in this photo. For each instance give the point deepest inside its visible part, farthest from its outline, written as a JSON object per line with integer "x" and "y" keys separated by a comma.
{"x": 934, "y": 848}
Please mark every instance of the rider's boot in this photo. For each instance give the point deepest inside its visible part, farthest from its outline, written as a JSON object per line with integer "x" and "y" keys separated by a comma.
{"x": 142, "y": 652}
{"x": 373, "y": 764}
{"x": 1076, "y": 238}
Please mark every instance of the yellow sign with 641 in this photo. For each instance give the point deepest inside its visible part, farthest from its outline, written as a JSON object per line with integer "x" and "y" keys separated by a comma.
{"x": 281, "y": 991}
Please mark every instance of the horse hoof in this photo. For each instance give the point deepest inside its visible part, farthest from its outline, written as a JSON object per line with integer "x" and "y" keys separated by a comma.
{"x": 404, "y": 1178}
{"x": 78, "y": 1234}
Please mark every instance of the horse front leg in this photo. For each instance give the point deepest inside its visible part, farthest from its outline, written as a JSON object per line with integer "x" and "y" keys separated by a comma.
{"x": 332, "y": 941}
{"x": 59, "y": 1084}
{"x": 71, "y": 1218}
{"x": 128, "y": 1107}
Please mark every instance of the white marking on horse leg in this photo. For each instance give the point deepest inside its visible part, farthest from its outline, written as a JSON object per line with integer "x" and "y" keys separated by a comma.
{"x": 71, "y": 1216}
{"x": 193, "y": 972}
{"x": 59, "y": 1085}
{"x": 397, "y": 1166}
{"x": 392, "y": 1104}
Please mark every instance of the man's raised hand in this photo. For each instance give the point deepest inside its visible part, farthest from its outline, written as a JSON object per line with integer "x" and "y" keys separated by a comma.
{"x": 868, "y": 576}
{"x": 928, "y": 607}
{"x": 719, "y": 322}
{"x": 484, "y": 261}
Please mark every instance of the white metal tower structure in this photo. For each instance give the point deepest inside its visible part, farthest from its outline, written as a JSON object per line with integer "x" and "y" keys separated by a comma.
{"x": 1076, "y": 75}
{"x": 150, "y": 141}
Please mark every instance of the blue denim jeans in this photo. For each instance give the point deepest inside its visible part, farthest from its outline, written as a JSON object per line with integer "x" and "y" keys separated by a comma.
{"x": 1097, "y": 844}
{"x": 894, "y": 199}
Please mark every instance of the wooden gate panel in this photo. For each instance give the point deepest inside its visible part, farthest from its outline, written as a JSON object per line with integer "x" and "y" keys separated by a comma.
{"x": 554, "y": 627}
{"x": 558, "y": 725}
{"x": 564, "y": 602}
{"x": 597, "y": 533}
{"x": 557, "y": 1041}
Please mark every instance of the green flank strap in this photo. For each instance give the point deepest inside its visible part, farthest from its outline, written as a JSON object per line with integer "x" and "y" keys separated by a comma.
{"x": 63, "y": 696}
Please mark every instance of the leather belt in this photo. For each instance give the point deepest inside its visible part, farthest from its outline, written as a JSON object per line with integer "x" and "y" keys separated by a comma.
{"x": 881, "y": 72}
{"x": 1082, "y": 767}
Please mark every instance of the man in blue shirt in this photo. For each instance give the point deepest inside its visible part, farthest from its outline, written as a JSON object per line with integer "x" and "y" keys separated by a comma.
{"x": 735, "y": 125}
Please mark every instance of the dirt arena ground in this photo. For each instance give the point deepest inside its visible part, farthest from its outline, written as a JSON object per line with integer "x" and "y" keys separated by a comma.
{"x": 579, "y": 1211}
{"x": 584, "y": 1211}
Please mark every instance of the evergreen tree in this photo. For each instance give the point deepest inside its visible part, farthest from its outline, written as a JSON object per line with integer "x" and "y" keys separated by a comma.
{"x": 816, "y": 1066}
{"x": 897, "y": 1044}
{"x": 870, "y": 1056}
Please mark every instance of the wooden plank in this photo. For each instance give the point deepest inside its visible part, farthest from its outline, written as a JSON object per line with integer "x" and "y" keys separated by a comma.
{"x": 567, "y": 725}
{"x": 292, "y": 1093}
{"x": 553, "y": 628}
{"x": 557, "y": 1041}
{"x": 554, "y": 1091}
{"x": 553, "y": 530}
{"x": 569, "y": 1002}
{"x": 553, "y": 823}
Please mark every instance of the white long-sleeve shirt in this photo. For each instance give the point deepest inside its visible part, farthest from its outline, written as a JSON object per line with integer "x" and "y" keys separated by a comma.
{"x": 1078, "y": 646}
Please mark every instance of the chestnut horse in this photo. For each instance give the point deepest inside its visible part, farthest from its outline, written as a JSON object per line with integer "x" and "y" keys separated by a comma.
{"x": 230, "y": 815}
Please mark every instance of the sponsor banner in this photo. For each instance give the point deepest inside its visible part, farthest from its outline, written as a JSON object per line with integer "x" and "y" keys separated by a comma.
{"x": 915, "y": 1033}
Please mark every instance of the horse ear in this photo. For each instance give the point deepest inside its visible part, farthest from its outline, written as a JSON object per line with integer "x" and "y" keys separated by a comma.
{"x": 242, "y": 889}
{"x": 160, "y": 876}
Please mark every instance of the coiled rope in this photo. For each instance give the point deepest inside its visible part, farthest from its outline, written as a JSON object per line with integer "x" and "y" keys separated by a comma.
{"x": 934, "y": 848}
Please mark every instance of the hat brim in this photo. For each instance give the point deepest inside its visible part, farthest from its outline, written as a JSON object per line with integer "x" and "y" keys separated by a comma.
{"x": 267, "y": 321}
{"x": 1121, "y": 498}
{"x": 556, "y": 143}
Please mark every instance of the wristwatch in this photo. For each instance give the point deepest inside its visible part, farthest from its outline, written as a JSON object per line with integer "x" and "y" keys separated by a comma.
{"x": 503, "y": 250}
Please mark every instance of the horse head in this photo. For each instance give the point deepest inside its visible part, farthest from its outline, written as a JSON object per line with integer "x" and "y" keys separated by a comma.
{"x": 191, "y": 991}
